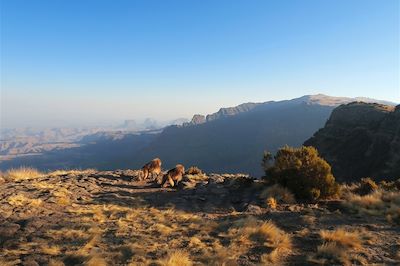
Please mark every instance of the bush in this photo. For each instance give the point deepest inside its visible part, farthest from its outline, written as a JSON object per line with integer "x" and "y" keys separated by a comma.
{"x": 302, "y": 171}
{"x": 193, "y": 170}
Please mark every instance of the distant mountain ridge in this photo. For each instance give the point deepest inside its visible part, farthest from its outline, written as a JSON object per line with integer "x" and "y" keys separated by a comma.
{"x": 319, "y": 99}
{"x": 231, "y": 140}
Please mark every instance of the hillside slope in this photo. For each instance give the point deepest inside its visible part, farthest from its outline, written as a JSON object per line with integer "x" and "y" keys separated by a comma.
{"x": 360, "y": 140}
{"x": 234, "y": 139}
{"x": 236, "y": 143}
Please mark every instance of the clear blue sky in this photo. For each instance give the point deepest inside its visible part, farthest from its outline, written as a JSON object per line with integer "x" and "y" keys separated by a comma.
{"x": 93, "y": 61}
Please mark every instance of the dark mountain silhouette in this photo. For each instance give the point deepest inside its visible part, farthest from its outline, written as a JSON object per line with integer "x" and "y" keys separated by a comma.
{"x": 361, "y": 140}
{"x": 230, "y": 140}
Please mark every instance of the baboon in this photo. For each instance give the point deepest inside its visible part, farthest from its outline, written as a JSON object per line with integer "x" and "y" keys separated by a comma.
{"x": 151, "y": 168}
{"x": 173, "y": 176}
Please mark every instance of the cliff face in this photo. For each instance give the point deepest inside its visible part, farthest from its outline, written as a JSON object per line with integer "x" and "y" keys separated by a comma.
{"x": 222, "y": 113}
{"x": 360, "y": 140}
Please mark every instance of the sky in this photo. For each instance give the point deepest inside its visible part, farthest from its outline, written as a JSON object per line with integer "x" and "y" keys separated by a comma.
{"x": 88, "y": 62}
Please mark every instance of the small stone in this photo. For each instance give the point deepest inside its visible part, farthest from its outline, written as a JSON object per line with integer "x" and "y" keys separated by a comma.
{"x": 214, "y": 178}
{"x": 9, "y": 229}
{"x": 294, "y": 208}
{"x": 253, "y": 209}
{"x": 30, "y": 262}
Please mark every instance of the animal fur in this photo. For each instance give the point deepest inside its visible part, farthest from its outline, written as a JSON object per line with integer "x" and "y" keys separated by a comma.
{"x": 173, "y": 176}
{"x": 151, "y": 168}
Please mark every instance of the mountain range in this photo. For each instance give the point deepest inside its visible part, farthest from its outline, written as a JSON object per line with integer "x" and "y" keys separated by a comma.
{"x": 230, "y": 140}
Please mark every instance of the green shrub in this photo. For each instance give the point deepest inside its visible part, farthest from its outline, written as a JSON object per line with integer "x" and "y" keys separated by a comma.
{"x": 302, "y": 171}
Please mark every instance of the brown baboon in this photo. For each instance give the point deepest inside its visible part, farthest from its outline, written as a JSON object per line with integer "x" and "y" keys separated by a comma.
{"x": 151, "y": 168}
{"x": 173, "y": 176}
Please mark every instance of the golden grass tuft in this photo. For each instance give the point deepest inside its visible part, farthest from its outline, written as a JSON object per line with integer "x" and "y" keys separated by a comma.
{"x": 70, "y": 234}
{"x": 21, "y": 200}
{"x": 331, "y": 253}
{"x": 342, "y": 237}
{"x": 271, "y": 236}
{"x": 162, "y": 229}
{"x": 43, "y": 185}
{"x": 368, "y": 202}
{"x": 379, "y": 203}
{"x": 177, "y": 258}
{"x": 22, "y": 173}
{"x": 247, "y": 232}
{"x": 338, "y": 248}
{"x": 51, "y": 250}
{"x": 62, "y": 196}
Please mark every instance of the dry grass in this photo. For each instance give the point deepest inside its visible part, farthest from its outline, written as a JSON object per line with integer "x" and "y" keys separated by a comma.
{"x": 270, "y": 235}
{"x": 22, "y": 173}
{"x": 143, "y": 231}
{"x": 72, "y": 172}
{"x": 342, "y": 238}
{"x": 249, "y": 232}
{"x": 41, "y": 185}
{"x": 339, "y": 248}
{"x": 177, "y": 258}
{"x": 62, "y": 196}
{"x": 331, "y": 253}
{"x": 20, "y": 200}
{"x": 279, "y": 193}
{"x": 379, "y": 203}
{"x": 131, "y": 232}
{"x": 367, "y": 202}
{"x": 67, "y": 233}
{"x": 28, "y": 173}
{"x": 50, "y": 250}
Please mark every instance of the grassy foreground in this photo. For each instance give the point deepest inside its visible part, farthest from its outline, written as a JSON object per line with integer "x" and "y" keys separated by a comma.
{"x": 111, "y": 218}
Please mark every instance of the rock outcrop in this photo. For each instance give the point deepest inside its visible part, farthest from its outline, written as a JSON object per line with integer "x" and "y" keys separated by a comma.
{"x": 361, "y": 140}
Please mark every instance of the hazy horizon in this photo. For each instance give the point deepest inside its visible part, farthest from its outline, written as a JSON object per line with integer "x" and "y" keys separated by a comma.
{"x": 120, "y": 120}
{"x": 102, "y": 62}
